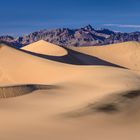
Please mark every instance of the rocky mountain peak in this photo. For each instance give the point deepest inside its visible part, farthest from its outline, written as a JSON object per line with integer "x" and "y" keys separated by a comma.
{"x": 86, "y": 36}
{"x": 88, "y": 27}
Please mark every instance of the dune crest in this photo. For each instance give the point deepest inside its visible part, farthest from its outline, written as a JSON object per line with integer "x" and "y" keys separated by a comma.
{"x": 124, "y": 54}
{"x": 53, "y": 52}
{"x": 78, "y": 90}
{"x": 44, "y": 47}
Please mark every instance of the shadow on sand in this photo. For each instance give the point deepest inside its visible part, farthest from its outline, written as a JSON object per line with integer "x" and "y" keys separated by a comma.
{"x": 75, "y": 58}
{"x": 19, "y": 90}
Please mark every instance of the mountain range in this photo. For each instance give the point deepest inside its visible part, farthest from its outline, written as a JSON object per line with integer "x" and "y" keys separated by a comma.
{"x": 85, "y": 36}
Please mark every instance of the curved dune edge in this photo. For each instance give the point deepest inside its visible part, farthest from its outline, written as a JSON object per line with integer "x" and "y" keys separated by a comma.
{"x": 19, "y": 90}
{"x": 53, "y": 52}
{"x": 124, "y": 54}
{"x": 44, "y": 47}
{"x": 110, "y": 104}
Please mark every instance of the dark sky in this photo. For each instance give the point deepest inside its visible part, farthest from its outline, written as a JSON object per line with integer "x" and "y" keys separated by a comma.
{"x": 19, "y": 17}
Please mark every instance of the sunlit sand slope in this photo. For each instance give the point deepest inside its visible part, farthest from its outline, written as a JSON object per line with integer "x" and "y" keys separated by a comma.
{"x": 43, "y": 47}
{"x": 124, "y": 54}
{"x": 53, "y": 52}
{"x": 79, "y": 103}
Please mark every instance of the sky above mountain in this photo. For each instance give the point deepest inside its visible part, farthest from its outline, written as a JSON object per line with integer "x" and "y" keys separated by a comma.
{"x": 19, "y": 17}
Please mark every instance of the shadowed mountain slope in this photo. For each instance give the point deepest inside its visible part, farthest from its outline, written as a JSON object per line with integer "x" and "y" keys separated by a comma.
{"x": 85, "y": 36}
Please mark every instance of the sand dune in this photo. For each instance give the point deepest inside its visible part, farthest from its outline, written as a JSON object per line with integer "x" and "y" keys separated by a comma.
{"x": 110, "y": 104}
{"x": 123, "y": 54}
{"x": 31, "y": 66}
{"x": 85, "y": 102}
{"x": 43, "y": 47}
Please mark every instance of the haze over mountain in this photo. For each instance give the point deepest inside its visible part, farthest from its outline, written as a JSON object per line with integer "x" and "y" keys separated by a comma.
{"x": 85, "y": 36}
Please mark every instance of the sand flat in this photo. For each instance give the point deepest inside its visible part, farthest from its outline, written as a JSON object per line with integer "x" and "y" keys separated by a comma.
{"x": 76, "y": 107}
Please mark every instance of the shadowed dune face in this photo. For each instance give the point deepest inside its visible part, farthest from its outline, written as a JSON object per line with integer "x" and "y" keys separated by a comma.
{"x": 122, "y": 54}
{"x": 84, "y": 105}
{"x": 19, "y": 90}
{"x": 71, "y": 57}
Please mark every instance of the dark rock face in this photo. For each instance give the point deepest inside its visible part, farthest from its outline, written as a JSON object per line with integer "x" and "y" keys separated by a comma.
{"x": 86, "y": 36}
{"x": 10, "y": 41}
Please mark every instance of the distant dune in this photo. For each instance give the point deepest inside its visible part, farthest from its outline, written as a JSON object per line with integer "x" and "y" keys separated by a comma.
{"x": 43, "y": 47}
{"x": 69, "y": 102}
{"x": 123, "y": 54}
{"x": 50, "y": 51}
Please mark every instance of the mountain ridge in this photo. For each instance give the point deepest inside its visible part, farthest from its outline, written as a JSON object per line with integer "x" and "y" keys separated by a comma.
{"x": 85, "y": 36}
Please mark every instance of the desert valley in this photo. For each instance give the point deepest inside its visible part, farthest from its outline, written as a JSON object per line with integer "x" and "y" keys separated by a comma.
{"x": 49, "y": 92}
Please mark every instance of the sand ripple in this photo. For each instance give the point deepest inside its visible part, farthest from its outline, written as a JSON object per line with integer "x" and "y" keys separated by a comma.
{"x": 18, "y": 90}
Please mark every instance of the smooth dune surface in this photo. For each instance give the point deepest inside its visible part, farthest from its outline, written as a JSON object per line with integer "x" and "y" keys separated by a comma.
{"x": 68, "y": 102}
{"x": 50, "y": 51}
{"x": 124, "y": 54}
{"x": 43, "y": 47}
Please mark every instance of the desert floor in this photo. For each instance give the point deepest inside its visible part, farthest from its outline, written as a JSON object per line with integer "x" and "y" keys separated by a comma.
{"x": 45, "y": 98}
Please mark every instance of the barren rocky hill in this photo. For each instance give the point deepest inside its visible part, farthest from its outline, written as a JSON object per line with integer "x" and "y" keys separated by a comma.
{"x": 85, "y": 36}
